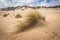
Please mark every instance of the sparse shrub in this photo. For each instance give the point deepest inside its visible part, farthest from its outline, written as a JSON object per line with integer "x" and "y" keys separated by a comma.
{"x": 0, "y": 14}
{"x": 18, "y": 16}
{"x": 43, "y": 18}
{"x": 5, "y": 15}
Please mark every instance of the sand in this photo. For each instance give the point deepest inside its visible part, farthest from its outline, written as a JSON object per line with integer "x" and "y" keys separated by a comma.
{"x": 48, "y": 30}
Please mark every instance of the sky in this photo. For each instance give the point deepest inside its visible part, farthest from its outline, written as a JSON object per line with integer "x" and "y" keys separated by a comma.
{"x": 14, "y": 3}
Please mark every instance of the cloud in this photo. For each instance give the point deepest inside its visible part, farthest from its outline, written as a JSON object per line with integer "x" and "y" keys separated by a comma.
{"x": 54, "y": 3}
{"x": 50, "y": 3}
{"x": 10, "y": 3}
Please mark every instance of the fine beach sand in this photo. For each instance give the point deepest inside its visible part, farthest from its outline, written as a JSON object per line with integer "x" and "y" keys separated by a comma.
{"x": 47, "y": 30}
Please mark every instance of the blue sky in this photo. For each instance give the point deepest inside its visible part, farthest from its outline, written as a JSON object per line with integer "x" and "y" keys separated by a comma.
{"x": 10, "y": 3}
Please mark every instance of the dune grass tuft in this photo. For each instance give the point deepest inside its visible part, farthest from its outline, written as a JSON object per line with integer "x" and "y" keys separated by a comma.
{"x": 30, "y": 19}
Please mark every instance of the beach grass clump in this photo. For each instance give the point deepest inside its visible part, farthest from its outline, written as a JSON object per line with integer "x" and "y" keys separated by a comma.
{"x": 30, "y": 19}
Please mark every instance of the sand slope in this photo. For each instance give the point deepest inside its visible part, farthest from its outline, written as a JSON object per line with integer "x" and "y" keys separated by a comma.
{"x": 49, "y": 30}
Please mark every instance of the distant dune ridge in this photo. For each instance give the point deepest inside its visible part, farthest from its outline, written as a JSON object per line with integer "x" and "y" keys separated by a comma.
{"x": 24, "y": 7}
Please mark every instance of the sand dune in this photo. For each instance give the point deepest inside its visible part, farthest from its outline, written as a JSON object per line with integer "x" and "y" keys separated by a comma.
{"x": 45, "y": 30}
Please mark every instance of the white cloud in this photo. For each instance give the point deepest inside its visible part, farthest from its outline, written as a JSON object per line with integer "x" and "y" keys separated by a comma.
{"x": 9, "y": 3}
{"x": 54, "y": 3}
{"x": 51, "y": 3}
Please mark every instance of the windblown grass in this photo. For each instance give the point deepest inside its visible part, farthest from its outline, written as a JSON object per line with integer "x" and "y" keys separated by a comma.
{"x": 30, "y": 19}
